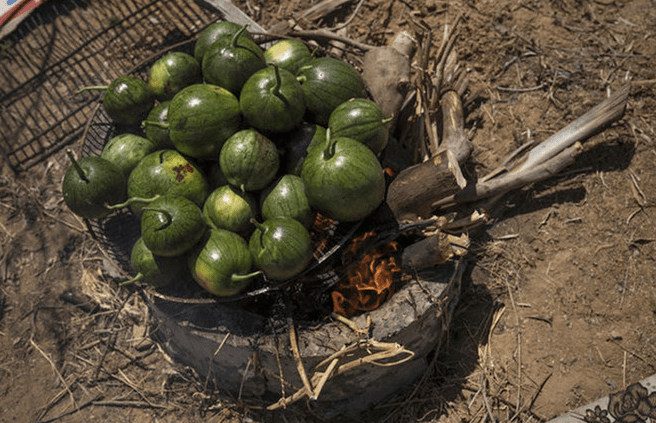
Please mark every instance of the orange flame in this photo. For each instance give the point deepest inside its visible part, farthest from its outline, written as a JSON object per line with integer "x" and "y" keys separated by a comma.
{"x": 370, "y": 280}
{"x": 321, "y": 232}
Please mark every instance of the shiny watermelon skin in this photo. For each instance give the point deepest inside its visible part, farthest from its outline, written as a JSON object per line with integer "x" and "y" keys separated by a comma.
{"x": 289, "y": 54}
{"x": 128, "y": 100}
{"x": 201, "y": 118}
{"x": 344, "y": 180}
{"x": 327, "y": 82}
{"x": 286, "y": 198}
{"x": 249, "y": 160}
{"x": 281, "y": 247}
{"x": 171, "y": 73}
{"x": 362, "y": 120}
{"x": 214, "y": 32}
{"x": 227, "y": 207}
{"x": 171, "y": 225}
{"x": 271, "y": 105}
{"x": 126, "y": 151}
{"x": 230, "y": 61}
{"x": 156, "y": 126}
{"x": 220, "y": 262}
{"x": 166, "y": 172}
{"x": 105, "y": 184}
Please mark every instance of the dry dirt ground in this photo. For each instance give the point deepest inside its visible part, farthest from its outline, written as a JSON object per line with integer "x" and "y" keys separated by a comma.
{"x": 559, "y": 304}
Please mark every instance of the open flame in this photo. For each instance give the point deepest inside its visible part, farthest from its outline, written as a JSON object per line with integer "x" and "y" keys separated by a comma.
{"x": 321, "y": 232}
{"x": 371, "y": 277}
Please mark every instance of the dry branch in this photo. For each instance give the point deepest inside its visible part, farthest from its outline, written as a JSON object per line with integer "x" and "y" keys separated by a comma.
{"x": 415, "y": 189}
{"x": 444, "y": 54}
{"x": 549, "y": 157}
{"x": 376, "y": 353}
{"x": 412, "y": 193}
{"x": 232, "y": 13}
{"x": 312, "y": 13}
{"x": 323, "y": 34}
{"x": 454, "y": 138}
{"x": 300, "y": 367}
{"x": 433, "y": 250}
{"x": 591, "y": 122}
{"x": 512, "y": 181}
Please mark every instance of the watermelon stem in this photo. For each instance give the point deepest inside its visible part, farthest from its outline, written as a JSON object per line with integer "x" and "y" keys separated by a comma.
{"x": 92, "y": 88}
{"x": 329, "y": 151}
{"x": 167, "y": 215}
{"x": 257, "y": 224}
{"x": 314, "y": 52}
{"x": 276, "y": 89}
{"x": 388, "y": 120}
{"x": 132, "y": 200}
{"x": 77, "y": 166}
{"x": 140, "y": 276}
{"x": 163, "y": 125}
{"x": 235, "y": 37}
{"x": 261, "y": 227}
{"x": 241, "y": 278}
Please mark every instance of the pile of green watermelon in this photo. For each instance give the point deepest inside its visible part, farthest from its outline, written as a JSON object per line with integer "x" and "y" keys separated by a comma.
{"x": 237, "y": 149}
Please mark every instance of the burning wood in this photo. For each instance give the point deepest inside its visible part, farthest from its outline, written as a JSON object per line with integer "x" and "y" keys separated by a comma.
{"x": 372, "y": 276}
{"x": 322, "y": 230}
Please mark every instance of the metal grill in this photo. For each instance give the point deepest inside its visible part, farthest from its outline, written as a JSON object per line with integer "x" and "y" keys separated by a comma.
{"x": 65, "y": 45}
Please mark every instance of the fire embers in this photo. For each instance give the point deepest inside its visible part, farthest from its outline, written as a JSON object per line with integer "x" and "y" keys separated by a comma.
{"x": 372, "y": 276}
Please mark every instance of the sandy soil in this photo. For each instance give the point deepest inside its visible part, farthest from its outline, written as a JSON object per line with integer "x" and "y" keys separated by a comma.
{"x": 559, "y": 304}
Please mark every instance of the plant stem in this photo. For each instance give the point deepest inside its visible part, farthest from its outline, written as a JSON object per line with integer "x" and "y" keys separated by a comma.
{"x": 262, "y": 229}
{"x": 257, "y": 224}
{"x": 133, "y": 200}
{"x": 329, "y": 151}
{"x": 77, "y": 166}
{"x": 240, "y": 278}
{"x": 95, "y": 87}
{"x": 235, "y": 37}
{"x": 156, "y": 124}
{"x": 276, "y": 88}
{"x": 140, "y": 276}
{"x": 167, "y": 215}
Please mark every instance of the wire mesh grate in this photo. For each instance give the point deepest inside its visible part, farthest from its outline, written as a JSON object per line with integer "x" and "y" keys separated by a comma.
{"x": 69, "y": 44}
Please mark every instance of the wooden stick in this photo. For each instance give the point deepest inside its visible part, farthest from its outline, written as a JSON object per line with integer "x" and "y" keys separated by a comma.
{"x": 322, "y": 34}
{"x": 232, "y": 13}
{"x": 549, "y": 157}
{"x": 443, "y": 53}
{"x": 386, "y": 350}
{"x": 511, "y": 181}
{"x": 454, "y": 138}
{"x": 415, "y": 189}
{"x": 598, "y": 117}
{"x": 324, "y": 378}
{"x": 312, "y": 13}
{"x": 297, "y": 357}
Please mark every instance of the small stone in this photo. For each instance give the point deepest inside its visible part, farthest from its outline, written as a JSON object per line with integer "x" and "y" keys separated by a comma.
{"x": 615, "y": 335}
{"x": 139, "y": 336}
